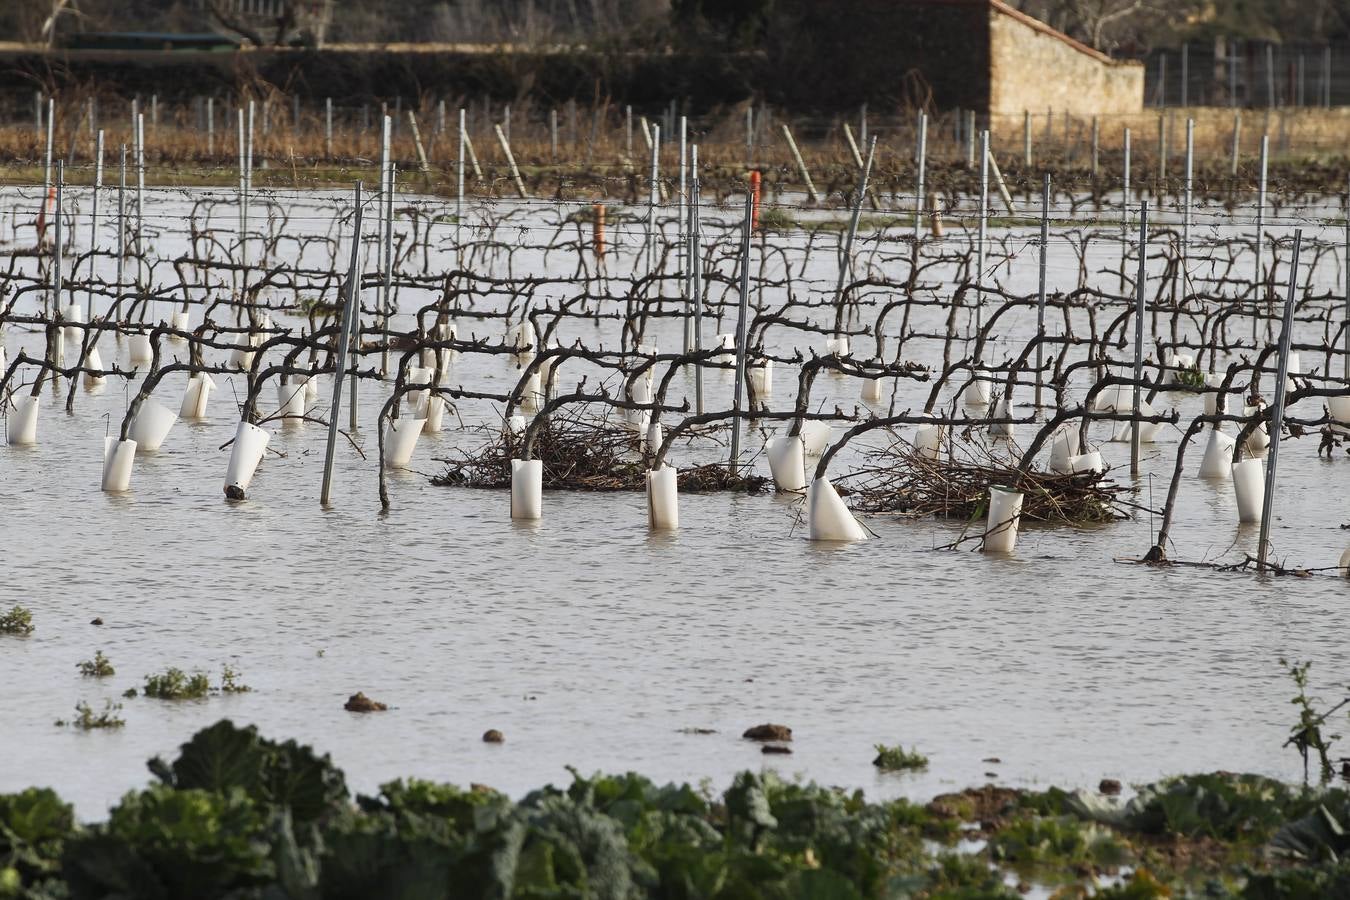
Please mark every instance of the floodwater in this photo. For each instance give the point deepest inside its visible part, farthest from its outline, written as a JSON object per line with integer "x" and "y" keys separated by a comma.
{"x": 591, "y": 642}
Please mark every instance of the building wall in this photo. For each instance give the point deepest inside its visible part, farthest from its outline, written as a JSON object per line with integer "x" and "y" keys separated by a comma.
{"x": 1034, "y": 68}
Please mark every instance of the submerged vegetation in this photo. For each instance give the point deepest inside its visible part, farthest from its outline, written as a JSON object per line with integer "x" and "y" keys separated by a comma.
{"x": 898, "y": 759}
{"x": 88, "y": 720}
{"x": 98, "y": 667}
{"x": 238, "y": 815}
{"x": 17, "y": 621}
{"x": 175, "y": 684}
{"x": 230, "y": 681}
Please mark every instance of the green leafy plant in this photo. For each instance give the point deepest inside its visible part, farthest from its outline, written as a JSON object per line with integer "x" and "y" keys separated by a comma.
{"x": 238, "y": 815}
{"x": 1306, "y": 736}
{"x": 229, "y": 681}
{"x": 175, "y": 684}
{"x": 1221, "y": 805}
{"x": 1321, "y": 836}
{"x": 1056, "y": 841}
{"x": 287, "y": 774}
{"x": 98, "y": 667}
{"x": 898, "y": 759}
{"x": 1191, "y": 377}
{"x": 17, "y": 621}
{"x": 962, "y": 875}
{"x": 1302, "y": 883}
{"x": 88, "y": 720}
{"x": 34, "y": 825}
{"x": 163, "y": 842}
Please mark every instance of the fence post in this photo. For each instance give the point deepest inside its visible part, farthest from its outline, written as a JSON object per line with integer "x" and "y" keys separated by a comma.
{"x": 1277, "y": 416}
{"x": 1040, "y": 297}
{"x": 344, "y": 338}
{"x": 1026, "y": 138}
{"x": 1139, "y": 294}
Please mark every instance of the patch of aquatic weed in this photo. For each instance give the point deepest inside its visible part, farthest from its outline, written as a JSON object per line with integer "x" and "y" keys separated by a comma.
{"x": 88, "y": 720}
{"x": 98, "y": 667}
{"x": 898, "y": 759}
{"x": 175, "y": 684}
{"x": 18, "y": 620}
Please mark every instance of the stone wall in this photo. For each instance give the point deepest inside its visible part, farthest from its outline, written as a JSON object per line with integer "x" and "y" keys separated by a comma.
{"x": 1032, "y": 67}
{"x": 1309, "y": 134}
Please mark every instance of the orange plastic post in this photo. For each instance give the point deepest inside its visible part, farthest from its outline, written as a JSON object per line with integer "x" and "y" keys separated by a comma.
{"x": 598, "y": 229}
{"x": 754, "y": 199}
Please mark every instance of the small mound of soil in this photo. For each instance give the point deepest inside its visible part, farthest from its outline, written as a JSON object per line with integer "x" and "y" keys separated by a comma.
{"x": 493, "y": 736}
{"x": 988, "y": 805}
{"x": 768, "y": 732}
{"x": 359, "y": 702}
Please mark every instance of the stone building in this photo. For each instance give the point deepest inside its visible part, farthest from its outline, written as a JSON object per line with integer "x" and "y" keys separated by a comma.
{"x": 970, "y": 54}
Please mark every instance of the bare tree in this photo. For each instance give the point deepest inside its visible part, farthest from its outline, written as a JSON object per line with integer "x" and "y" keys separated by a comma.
{"x": 232, "y": 23}
{"x": 1103, "y": 24}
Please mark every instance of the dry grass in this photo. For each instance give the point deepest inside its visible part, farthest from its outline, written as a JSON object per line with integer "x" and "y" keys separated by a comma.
{"x": 598, "y": 163}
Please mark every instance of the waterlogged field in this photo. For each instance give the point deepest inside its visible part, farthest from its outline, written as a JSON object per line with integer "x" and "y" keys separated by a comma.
{"x": 588, "y": 639}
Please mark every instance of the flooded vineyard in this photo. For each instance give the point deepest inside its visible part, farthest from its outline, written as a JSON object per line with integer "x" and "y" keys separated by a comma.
{"x": 622, "y": 479}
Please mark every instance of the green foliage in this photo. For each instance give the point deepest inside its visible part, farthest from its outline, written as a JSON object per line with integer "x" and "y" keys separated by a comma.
{"x": 1308, "y": 883}
{"x": 1320, "y": 836}
{"x": 87, "y": 720}
{"x": 98, "y": 667}
{"x": 17, "y": 621}
{"x": 898, "y": 759}
{"x": 1191, "y": 377}
{"x": 1051, "y": 802}
{"x": 34, "y": 826}
{"x": 1220, "y": 805}
{"x": 914, "y": 818}
{"x": 459, "y": 809}
{"x": 164, "y": 843}
{"x": 962, "y": 875}
{"x": 239, "y": 816}
{"x": 229, "y": 681}
{"x": 225, "y": 757}
{"x": 1306, "y": 736}
{"x": 175, "y": 684}
{"x": 1061, "y": 841}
